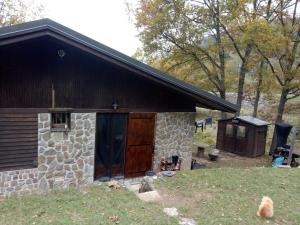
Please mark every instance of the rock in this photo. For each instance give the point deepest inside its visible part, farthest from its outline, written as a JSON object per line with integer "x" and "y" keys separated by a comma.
{"x": 150, "y": 196}
{"x": 43, "y": 186}
{"x": 50, "y": 159}
{"x": 113, "y": 184}
{"x": 88, "y": 170}
{"x": 69, "y": 175}
{"x": 79, "y": 174}
{"x": 51, "y": 143}
{"x": 168, "y": 173}
{"x": 80, "y": 163}
{"x": 44, "y": 117}
{"x": 52, "y": 166}
{"x": 42, "y": 168}
{"x": 69, "y": 161}
{"x": 171, "y": 211}
{"x": 46, "y": 136}
{"x": 51, "y": 151}
{"x": 146, "y": 185}
{"x": 60, "y": 157}
{"x": 133, "y": 187}
{"x": 79, "y": 133}
{"x": 87, "y": 124}
{"x": 41, "y": 159}
{"x": 187, "y": 221}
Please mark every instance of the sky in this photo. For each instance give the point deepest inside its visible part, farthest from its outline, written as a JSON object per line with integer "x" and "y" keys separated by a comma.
{"x": 106, "y": 21}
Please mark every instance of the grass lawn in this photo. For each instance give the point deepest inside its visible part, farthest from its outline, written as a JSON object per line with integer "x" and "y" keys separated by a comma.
{"x": 100, "y": 205}
{"x": 231, "y": 196}
{"x": 209, "y": 196}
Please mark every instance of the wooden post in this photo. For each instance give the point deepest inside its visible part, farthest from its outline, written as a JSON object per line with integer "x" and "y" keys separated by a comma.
{"x": 53, "y": 96}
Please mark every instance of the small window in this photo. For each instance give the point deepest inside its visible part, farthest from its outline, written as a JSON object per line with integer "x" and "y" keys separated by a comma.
{"x": 60, "y": 121}
{"x": 241, "y": 132}
{"x": 229, "y": 130}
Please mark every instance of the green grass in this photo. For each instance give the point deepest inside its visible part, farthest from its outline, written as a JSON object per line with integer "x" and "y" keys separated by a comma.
{"x": 100, "y": 205}
{"x": 231, "y": 196}
{"x": 208, "y": 136}
{"x": 213, "y": 196}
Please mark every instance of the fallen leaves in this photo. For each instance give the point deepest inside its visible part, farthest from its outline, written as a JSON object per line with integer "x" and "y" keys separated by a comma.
{"x": 114, "y": 219}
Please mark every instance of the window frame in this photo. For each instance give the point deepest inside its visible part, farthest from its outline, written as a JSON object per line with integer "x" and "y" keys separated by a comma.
{"x": 232, "y": 128}
{"x": 65, "y": 117}
{"x": 245, "y": 132}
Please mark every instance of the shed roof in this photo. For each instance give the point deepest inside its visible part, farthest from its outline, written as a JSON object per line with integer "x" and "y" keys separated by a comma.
{"x": 249, "y": 119}
{"x": 44, "y": 27}
{"x": 252, "y": 120}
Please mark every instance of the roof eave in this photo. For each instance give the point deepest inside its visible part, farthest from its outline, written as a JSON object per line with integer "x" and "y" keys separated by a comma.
{"x": 47, "y": 24}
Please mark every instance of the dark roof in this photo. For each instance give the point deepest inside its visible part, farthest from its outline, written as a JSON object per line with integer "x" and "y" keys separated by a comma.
{"x": 252, "y": 120}
{"x": 49, "y": 25}
{"x": 249, "y": 119}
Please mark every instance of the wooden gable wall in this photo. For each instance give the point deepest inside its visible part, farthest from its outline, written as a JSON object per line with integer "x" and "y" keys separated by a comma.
{"x": 81, "y": 81}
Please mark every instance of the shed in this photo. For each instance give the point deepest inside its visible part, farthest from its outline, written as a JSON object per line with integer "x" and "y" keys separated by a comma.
{"x": 243, "y": 135}
{"x": 73, "y": 110}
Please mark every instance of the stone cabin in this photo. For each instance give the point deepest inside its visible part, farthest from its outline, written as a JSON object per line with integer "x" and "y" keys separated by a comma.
{"x": 73, "y": 110}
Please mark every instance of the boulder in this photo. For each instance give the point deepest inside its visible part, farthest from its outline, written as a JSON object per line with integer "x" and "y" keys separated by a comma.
{"x": 146, "y": 185}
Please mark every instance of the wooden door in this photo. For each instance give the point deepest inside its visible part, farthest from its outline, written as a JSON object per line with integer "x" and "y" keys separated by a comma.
{"x": 241, "y": 141}
{"x": 140, "y": 138}
{"x": 229, "y": 137}
{"x": 110, "y": 145}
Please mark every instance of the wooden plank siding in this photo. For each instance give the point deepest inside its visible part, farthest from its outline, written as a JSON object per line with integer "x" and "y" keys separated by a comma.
{"x": 252, "y": 145}
{"x": 18, "y": 140}
{"x": 81, "y": 81}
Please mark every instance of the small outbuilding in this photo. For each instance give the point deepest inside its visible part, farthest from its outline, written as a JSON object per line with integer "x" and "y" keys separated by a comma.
{"x": 244, "y": 135}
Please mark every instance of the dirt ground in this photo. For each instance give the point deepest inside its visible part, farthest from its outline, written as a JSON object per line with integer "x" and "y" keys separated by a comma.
{"x": 231, "y": 196}
{"x": 182, "y": 200}
{"x": 227, "y": 159}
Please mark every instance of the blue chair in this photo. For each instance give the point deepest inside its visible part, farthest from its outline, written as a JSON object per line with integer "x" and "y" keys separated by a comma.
{"x": 208, "y": 121}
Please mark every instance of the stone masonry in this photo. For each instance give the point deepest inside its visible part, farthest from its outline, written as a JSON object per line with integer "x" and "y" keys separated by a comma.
{"x": 174, "y": 135}
{"x": 18, "y": 181}
{"x": 66, "y": 158}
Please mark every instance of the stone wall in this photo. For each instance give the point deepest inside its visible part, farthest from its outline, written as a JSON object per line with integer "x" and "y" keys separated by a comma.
{"x": 18, "y": 181}
{"x": 66, "y": 158}
{"x": 174, "y": 136}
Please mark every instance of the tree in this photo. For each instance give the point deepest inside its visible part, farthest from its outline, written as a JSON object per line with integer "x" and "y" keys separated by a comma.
{"x": 201, "y": 33}
{"x": 281, "y": 50}
{"x": 261, "y": 70}
{"x": 207, "y": 35}
{"x": 241, "y": 24}
{"x": 185, "y": 32}
{"x": 17, "y": 11}
{"x": 264, "y": 9}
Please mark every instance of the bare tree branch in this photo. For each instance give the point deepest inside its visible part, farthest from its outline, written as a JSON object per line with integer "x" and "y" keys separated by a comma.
{"x": 233, "y": 42}
{"x": 178, "y": 64}
{"x": 270, "y": 65}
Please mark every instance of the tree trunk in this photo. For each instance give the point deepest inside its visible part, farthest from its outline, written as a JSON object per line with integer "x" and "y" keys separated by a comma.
{"x": 280, "y": 110}
{"x": 243, "y": 71}
{"x": 281, "y": 106}
{"x": 221, "y": 56}
{"x": 258, "y": 89}
{"x": 223, "y": 96}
